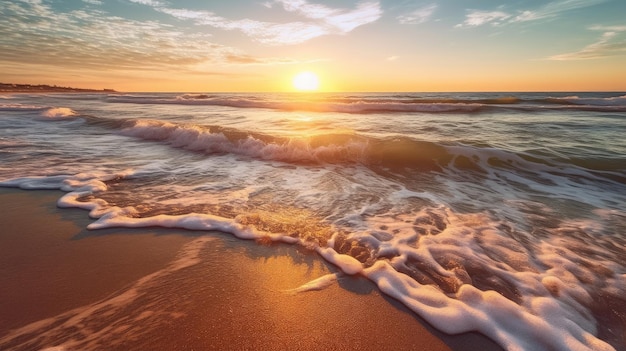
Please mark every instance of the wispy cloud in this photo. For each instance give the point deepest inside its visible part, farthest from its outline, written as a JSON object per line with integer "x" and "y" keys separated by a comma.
{"x": 421, "y": 15}
{"x": 609, "y": 28}
{"x": 34, "y": 33}
{"x": 340, "y": 21}
{"x": 611, "y": 43}
{"x": 345, "y": 21}
{"x": 554, "y": 9}
{"x": 475, "y": 18}
{"x": 317, "y": 20}
{"x": 265, "y": 32}
{"x": 148, "y": 2}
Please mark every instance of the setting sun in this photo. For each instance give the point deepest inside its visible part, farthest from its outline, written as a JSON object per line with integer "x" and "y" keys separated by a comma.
{"x": 306, "y": 81}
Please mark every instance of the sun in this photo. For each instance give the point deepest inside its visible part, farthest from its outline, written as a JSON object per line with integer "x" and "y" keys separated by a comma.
{"x": 306, "y": 81}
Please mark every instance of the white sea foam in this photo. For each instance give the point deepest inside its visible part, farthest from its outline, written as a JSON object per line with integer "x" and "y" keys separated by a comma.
{"x": 553, "y": 308}
{"x": 609, "y": 101}
{"x": 40, "y": 182}
{"x": 58, "y": 113}
{"x": 348, "y": 264}
{"x": 20, "y": 107}
{"x": 46, "y": 112}
{"x": 553, "y": 311}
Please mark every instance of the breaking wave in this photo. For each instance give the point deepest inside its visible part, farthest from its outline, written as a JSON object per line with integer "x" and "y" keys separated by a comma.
{"x": 58, "y": 113}
{"x": 617, "y": 101}
{"x": 395, "y": 153}
{"x": 45, "y": 111}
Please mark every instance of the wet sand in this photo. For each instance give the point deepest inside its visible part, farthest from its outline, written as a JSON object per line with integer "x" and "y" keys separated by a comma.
{"x": 125, "y": 289}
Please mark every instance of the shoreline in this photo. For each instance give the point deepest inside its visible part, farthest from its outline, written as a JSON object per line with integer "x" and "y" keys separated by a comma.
{"x": 175, "y": 289}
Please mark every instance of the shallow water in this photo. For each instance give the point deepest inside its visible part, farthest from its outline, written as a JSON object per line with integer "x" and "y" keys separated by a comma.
{"x": 500, "y": 213}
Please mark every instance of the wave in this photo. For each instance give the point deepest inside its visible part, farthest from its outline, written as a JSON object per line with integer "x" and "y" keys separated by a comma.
{"x": 379, "y": 103}
{"x": 58, "y": 113}
{"x": 44, "y": 111}
{"x": 395, "y": 154}
{"x": 20, "y": 107}
{"x": 316, "y": 149}
{"x": 589, "y": 101}
{"x": 336, "y": 148}
{"x": 305, "y": 105}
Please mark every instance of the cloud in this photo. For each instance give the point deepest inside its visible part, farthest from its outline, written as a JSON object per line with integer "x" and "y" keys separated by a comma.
{"x": 609, "y": 28}
{"x": 344, "y": 22}
{"x": 34, "y": 34}
{"x": 153, "y": 3}
{"x": 392, "y": 58}
{"x": 314, "y": 11}
{"x": 195, "y": 15}
{"x": 319, "y": 20}
{"x": 243, "y": 59}
{"x": 553, "y": 9}
{"x": 341, "y": 20}
{"x": 265, "y": 32}
{"x": 475, "y": 18}
{"x": 611, "y": 43}
{"x": 418, "y": 16}
{"x": 276, "y": 34}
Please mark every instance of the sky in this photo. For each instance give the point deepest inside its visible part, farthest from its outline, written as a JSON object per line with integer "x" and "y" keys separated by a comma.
{"x": 351, "y": 45}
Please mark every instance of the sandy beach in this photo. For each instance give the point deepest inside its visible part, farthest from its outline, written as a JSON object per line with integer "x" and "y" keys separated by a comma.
{"x": 178, "y": 290}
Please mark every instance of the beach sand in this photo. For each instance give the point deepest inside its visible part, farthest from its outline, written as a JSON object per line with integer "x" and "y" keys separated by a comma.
{"x": 158, "y": 289}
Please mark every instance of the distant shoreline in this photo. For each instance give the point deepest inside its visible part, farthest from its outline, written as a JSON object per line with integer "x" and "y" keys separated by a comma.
{"x": 44, "y": 88}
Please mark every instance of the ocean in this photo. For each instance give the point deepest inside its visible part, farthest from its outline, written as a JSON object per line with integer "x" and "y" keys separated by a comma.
{"x": 502, "y": 213}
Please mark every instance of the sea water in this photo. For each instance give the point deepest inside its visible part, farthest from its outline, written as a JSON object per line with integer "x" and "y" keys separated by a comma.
{"x": 502, "y": 213}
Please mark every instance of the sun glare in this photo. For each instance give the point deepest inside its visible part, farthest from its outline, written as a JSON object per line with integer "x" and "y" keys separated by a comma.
{"x": 306, "y": 81}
